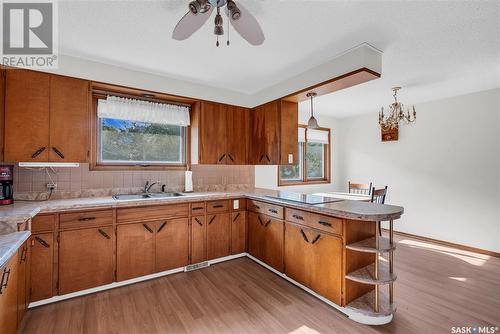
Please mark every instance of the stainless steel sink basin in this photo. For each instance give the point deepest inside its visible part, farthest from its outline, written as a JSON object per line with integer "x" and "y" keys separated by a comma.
{"x": 145, "y": 196}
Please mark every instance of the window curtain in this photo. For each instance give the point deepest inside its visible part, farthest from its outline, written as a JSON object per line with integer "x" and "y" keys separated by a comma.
{"x": 302, "y": 135}
{"x": 143, "y": 111}
{"x": 317, "y": 136}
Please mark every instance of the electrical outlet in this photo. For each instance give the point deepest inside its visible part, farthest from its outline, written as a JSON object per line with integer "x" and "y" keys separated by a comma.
{"x": 51, "y": 186}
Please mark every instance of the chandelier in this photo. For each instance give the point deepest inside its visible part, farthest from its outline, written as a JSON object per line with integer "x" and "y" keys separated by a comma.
{"x": 397, "y": 114}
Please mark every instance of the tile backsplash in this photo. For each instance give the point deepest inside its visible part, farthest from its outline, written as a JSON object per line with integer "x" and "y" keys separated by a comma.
{"x": 81, "y": 182}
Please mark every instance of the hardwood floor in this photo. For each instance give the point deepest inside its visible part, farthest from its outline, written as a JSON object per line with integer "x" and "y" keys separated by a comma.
{"x": 438, "y": 287}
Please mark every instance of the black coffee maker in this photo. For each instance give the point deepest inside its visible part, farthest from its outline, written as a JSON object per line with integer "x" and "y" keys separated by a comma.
{"x": 6, "y": 182}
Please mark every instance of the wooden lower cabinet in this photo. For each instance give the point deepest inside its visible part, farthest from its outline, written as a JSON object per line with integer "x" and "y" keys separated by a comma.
{"x": 135, "y": 250}
{"x": 198, "y": 239}
{"x": 172, "y": 244}
{"x": 23, "y": 281}
{"x": 238, "y": 232}
{"x": 42, "y": 266}
{"x": 314, "y": 259}
{"x": 265, "y": 239}
{"x": 8, "y": 296}
{"x": 85, "y": 258}
{"x": 218, "y": 235}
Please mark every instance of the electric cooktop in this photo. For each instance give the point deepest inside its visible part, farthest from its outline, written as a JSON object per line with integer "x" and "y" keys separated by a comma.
{"x": 304, "y": 198}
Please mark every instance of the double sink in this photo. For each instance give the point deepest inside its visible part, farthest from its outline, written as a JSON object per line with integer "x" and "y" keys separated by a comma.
{"x": 145, "y": 196}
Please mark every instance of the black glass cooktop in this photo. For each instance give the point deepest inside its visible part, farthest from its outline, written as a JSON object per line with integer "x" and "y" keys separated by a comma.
{"x": 304, "y": 198}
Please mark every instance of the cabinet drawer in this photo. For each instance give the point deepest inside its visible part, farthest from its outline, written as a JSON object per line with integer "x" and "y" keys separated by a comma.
{"x": 320, "y": 222}
{"x": 152, "y": 213}
{"x": 240, "y": 203}
{"x": 197, "y": 208}
{"x": 217, "y": 206}
{"x": 43, "y": 223}
{"x": 85, "y": 219}
{"x": 272, "y": 210}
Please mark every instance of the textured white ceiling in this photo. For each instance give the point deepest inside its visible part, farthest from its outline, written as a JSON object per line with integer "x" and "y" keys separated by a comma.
{"x": 433, "y": 49}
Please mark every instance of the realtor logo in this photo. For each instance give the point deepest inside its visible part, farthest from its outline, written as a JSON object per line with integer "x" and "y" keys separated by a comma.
{"x": 29, "y": 34}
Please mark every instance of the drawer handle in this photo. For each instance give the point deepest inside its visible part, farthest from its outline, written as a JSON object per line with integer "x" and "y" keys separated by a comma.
{"x": 268, "y": 222}
{"x": 273, "y": 210}
{"x": 198, "y": 221}
{"x": 211, "y": 220}
{"x": 161, "y": 227}
{"x": 104, "y": 234}
{"x": 5, "y": 276}
{"x": 261, "y": 157}
{"x": 198, "y": 208}
{"x": 222, "y": 157}
{"x": 42, "y": 242}
{"x": 38, "y": 152}
{"x": 255, "y": 206}
{"x": 260, "y": 220}
{"x": 236, "y": 217}
{"x": 230, "y": 157}
{"x": 304, "y": 236}
{"x": 24, "y": 254}
{"x": 325, "y": 223}
{"x": 267, "y": 157}
{"x": 84, "y": 219}
{"x": 217, "y": 206}
{"x": 147, "y": 228}
{"x": 298, "y": 217}
{"x": 316, "y": 239}
{"x": 59, "y": 153}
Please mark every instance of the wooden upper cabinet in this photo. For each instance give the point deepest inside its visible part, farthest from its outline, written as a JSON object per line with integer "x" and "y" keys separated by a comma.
{"x": 257, "y": 136}
{"x": 238, "y": 126}
{"x": 69, "y": 119}
{"x": 27, "y": 105}
{"x": 53, "y": 113}
{"x": 289, "y": 137}
{"x": 212, "y": 149}
{"x": 272, "y": 134}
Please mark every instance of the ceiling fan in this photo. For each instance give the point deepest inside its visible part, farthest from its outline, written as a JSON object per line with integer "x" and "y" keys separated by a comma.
{"x": 200, "y": 11}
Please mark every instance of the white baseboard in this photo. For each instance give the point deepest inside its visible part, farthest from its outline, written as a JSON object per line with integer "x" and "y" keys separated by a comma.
{"x": 351, "y": 314}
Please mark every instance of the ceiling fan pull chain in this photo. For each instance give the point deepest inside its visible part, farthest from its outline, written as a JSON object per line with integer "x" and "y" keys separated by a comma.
{"x": 227, "y": 43}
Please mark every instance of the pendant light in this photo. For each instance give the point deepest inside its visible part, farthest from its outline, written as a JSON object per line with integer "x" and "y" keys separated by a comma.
{"x": 312, "y": 123}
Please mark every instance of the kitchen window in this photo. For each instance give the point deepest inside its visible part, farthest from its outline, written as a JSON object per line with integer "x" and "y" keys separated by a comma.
{"x": 141, "y": 133}
{"x": 313, "y": 159}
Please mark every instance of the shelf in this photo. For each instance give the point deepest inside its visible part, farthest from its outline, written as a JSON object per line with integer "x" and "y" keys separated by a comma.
{"x": 368, "y": 245}
{"x": 365, "y": 304}
{"x": 366, "y": 275}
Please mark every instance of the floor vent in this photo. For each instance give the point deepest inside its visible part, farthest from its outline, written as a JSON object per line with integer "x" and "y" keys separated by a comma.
{"x": 195, "y": 266}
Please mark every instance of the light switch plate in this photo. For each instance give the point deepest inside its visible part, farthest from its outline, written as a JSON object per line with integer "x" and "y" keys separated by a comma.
{"x": 290, "y": 158}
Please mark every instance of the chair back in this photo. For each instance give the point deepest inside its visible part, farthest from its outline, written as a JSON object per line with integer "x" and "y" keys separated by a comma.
{"x": 360, "y": 188}
{"x": 378, "y": 195}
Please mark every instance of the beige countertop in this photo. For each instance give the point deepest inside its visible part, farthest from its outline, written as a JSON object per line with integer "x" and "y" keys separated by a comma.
{"x": 20, "y": 212}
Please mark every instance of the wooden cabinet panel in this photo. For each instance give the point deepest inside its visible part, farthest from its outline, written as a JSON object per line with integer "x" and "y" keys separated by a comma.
{"x": 265, "y": 239}
{"x": 257, "y": 145}
{"x": 198, "y": 239}
{"x": 22, "y": 281}
{"x": 289, "y": 123}
{"x": 8, "y": 297}
{"x": 42, "y": 266}
{"x": 238, "y": 232}
{"x": 217, "y": 206}
{"x": 272, "y": 210}
{"x": 85, "y": 219}
{"x": 156, "y": 212}
{"x": 218, "y": 235}
{"x": 69, "y": 119}
{"x": 27, "y": 116}
{"x": 272, "y": 133}
{"x": 320, "y": 222}
{"x": 314, "y": 259}
{"x": 45, "y": 223}
{"x": 172, "y": 244}
{"x": 135, "y": 250}
{"x": 212, "y": 148}
{"x": 85, "y": 258}
{"x": 237, "y": 135}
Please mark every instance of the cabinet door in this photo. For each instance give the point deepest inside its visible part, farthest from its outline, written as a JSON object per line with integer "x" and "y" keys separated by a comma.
{"x": 238, "y": 232}
{"x": 255, "y": 234}
{"x": 27, "y": 116}
{"x": 288, "y": 133}
{"x": 135, "y": 250}
{"x": 237, "y": 135}
{"x": 85, "y": 259}
{"x": 265, "y": 239}
{"x": 198, "y": 239}
{"x": 42, "y": 266}
{"x": 272, "y": 133}
{"x": 22, "y": 295}
{"x": 212, "y": 149}
{"x": 172, "y": 244}
{"x": 218, "y": 235}
{"x": 69, "y": 119}
{"x": 8, "y": 297}
{"x": 257, "y": 134}
{"x": 314, "y": 259}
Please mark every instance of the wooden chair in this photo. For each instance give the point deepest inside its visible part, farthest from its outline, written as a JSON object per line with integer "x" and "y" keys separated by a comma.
{"x": 378, "y": 196}
{"x": 360, "y": 188}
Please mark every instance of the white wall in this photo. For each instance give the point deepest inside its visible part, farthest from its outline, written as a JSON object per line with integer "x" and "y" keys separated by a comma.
{"x": 444, "y": 169}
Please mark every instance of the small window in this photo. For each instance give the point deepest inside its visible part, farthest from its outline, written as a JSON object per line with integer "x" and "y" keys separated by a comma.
{"x": 138, "y": 133}
{"x": 313, "y": 160}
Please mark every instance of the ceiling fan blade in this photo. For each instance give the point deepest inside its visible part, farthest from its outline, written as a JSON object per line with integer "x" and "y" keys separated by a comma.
{"x": 248, "y": 27}
{"x": 189, "y": 24}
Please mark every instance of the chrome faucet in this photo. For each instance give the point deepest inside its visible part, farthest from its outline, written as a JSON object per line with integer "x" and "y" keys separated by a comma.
{"x": 148, "y": 186}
